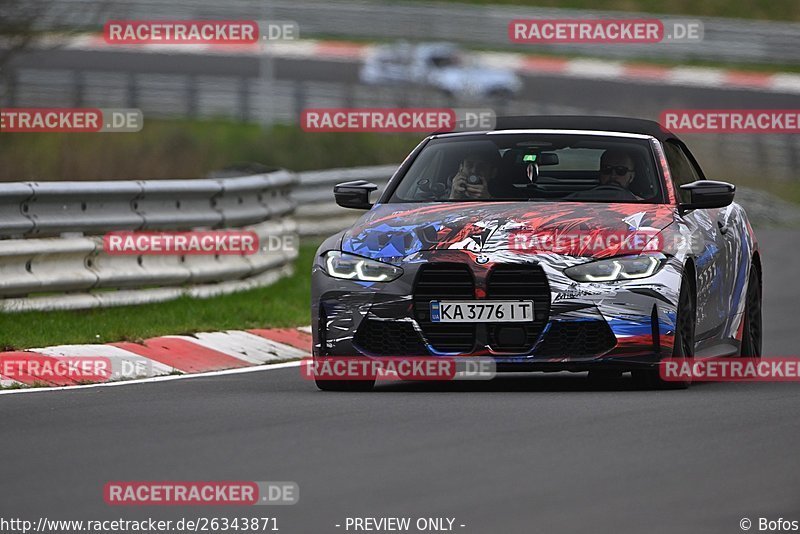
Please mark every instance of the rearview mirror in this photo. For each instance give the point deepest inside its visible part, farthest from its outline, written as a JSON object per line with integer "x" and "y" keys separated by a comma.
{"x": 354, "y": 194}
{"x": 548, "y": 158}
{"x": 706, "y": 194}
{"x": 545, "y": 158}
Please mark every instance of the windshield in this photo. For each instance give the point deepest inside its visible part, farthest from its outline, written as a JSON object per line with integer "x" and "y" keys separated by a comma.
{"x": 525, "y": 167}
{"x": 446, "y": 60}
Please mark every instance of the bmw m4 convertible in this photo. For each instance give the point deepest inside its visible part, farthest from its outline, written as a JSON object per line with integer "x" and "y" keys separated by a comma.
{"x": 547, "y": 244}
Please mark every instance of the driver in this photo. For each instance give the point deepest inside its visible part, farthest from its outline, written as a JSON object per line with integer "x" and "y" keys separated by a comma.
{"x": 616, "y": 168}
{"x": 472, "y": 179}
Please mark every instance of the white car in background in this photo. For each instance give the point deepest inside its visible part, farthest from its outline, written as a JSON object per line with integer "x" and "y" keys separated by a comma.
{"x": 440, "y": 65}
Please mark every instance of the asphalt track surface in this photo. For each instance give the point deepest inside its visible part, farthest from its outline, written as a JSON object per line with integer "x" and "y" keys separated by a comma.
{"x": 521, "y": 453}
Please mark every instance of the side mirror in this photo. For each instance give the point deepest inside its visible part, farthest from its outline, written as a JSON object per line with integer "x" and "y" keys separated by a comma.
{"x": 354, "y": 194}
{"x": 707, "y": 194}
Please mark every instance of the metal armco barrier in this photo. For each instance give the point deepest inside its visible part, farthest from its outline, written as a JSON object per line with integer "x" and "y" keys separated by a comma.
{"x": 51, "y": 245}
{"x": 53, "y": 208}
{"x": 317, "y": 212}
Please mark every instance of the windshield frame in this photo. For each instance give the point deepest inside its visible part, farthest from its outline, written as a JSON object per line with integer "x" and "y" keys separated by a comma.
{"x": 394, "y": 183}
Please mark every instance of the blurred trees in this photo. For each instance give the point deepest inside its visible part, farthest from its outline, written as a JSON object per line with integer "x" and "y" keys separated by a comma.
{"x": 25, "y": 23}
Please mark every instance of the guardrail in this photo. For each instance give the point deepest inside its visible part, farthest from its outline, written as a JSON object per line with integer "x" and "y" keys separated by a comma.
{"x": 54, "y": 208}
{"x": 51, "y": 244}
{"x": 487, "y": 25}
{"x": 52, "y": 240}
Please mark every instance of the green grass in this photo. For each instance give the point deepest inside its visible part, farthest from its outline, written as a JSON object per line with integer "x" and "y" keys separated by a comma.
{"x": 784, "y": 10}
{"x": 285, "y": 303}
{"x": 785, "y": 190}
{"x": 190, "y": 149}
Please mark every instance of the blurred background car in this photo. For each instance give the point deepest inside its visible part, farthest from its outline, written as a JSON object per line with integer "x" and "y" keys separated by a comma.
{"x": 443, "y": 66}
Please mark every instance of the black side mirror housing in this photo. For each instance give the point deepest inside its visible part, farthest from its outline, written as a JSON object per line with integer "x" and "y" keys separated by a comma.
{"x": 707, "y": 194}
{"x": 354, "y": 194}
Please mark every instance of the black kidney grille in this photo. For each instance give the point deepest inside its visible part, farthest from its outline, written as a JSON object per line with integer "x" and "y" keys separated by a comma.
{"x": 519, "y": 282}
{"x": 443, "y": 281}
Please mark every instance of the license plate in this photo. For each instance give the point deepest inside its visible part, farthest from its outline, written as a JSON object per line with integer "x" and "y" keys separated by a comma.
{"x": 481, "y": 311}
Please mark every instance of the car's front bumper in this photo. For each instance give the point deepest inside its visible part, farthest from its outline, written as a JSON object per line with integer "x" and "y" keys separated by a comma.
{"x": 578, "y": 326}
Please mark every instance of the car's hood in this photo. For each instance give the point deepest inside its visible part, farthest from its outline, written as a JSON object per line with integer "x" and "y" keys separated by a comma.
{"x": 394, "y": 231}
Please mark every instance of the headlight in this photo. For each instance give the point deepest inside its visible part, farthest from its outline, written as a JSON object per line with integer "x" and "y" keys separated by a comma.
{"x": 614, "y": 269}
{"x": 352, "y": 267}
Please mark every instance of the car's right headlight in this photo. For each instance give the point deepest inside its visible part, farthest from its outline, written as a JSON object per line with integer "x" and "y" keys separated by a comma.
{"x": 352, "y": 267}
{"x": 615, "y": 269}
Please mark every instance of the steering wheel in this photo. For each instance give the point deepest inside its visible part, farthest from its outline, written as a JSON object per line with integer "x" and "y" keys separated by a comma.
{"x": 611, "y": 188}
{"x": 431, "y": 191}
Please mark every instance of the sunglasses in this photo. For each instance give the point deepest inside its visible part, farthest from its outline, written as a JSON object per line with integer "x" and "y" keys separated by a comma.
{"x": 619, "y": 170}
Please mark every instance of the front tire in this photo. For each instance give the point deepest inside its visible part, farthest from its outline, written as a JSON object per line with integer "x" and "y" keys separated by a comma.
{"x": 683, "y": 347}
{"x": 752, "y": 336}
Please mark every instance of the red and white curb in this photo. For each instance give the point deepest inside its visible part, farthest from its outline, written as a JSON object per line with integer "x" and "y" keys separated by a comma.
{"x": 177, "y": 356}
{"x": 597, "y": 69}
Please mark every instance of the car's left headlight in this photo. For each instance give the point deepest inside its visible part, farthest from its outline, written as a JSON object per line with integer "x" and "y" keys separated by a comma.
{"x": 352, "y": 267}
{"x": 614, "y": 269}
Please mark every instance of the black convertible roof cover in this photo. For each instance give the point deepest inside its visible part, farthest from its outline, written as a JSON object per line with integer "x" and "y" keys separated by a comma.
{"x": 585, "y": 122}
